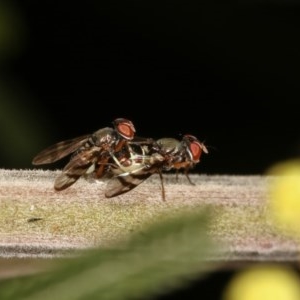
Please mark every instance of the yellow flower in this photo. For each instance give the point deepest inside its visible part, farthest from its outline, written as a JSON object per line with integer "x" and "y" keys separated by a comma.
{"x": 284, "y": 196}
{"x": 264, "y": 282}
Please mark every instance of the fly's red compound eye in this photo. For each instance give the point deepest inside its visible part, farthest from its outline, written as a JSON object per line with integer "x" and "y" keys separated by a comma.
{"x": 125, "y": 128}
{"x": 195, "y": 148}
{"x": 195, "y": 151}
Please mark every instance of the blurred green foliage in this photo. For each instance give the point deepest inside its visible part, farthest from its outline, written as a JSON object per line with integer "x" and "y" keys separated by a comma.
{"x": 163, "y": 257}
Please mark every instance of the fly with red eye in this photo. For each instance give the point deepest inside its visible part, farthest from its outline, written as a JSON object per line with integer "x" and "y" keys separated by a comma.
{"x": 149, "y": 157}
{"x": 90, "y": 153}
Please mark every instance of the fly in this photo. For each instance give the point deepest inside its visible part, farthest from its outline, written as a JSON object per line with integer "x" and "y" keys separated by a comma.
{"x": 90, "y": 153}
{"x": 149, "y": 157}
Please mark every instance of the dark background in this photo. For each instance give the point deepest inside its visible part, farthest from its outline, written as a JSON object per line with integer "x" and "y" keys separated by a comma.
{"x": 226, "y": 72}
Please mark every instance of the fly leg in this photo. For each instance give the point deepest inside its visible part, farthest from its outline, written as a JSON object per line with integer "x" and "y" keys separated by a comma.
{"x": 162, "y": 185}
{"x": 188, "y": 177}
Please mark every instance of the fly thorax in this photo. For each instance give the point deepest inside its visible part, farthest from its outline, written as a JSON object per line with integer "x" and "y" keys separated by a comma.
{"x": 104, "y": 136}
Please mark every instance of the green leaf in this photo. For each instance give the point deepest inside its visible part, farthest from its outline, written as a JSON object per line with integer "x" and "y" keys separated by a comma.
{"x": 162, "y": 257}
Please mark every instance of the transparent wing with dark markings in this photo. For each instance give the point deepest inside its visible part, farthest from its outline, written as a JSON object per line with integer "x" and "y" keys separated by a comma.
{"x": 122, "y": 184}
{"x": 77, "y": 166}
{"x": 126, "y": 179}
{"x": 57, "y": 151}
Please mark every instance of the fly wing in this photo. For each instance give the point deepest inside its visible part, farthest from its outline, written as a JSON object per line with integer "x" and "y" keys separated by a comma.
{"x": 64, "y": 180}
{"x": 59, "y": 150}
{"x": 122, "y": 184}
{"x": 126, "y": 179}
{"x": 77, "y": 166}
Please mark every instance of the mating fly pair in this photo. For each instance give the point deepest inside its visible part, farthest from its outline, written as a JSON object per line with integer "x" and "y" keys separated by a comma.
{"x": 125, "y": 159}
